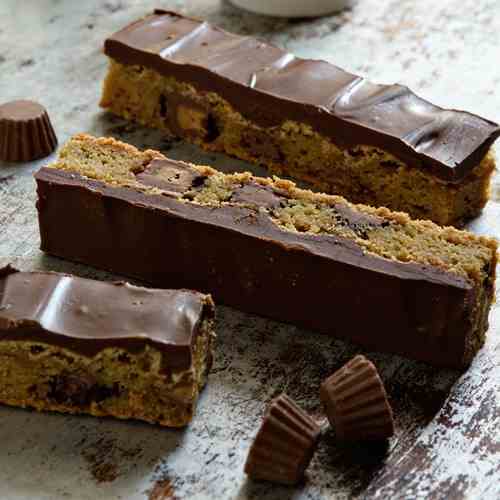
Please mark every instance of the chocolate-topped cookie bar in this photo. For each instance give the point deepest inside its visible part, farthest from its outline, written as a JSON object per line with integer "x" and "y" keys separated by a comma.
{"x": 369, "y": 275}
{"x": 76, "y": 345}
{"x": 381, "y": 145}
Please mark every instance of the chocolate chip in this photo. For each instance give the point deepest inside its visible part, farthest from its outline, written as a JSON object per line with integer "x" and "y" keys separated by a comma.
{"x": 198, "y": 181}
{"x": 163, "y": 106}
{"x": 361, "y": 232}
{"x": 213, "y": 131}
{"x": 389, "y": 163}
{"x": 71, "y": 389}
{"x": 36, "y": 349}
{"x": 124, "y": 358}
{"x": 79, "y": 390}
{"x": 99, "y": 393}
{"x": 354, "y": 153}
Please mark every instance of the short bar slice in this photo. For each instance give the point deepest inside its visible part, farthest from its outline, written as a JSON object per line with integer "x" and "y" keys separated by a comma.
{"x": 381, "y": 145}
{"x": 76, "y": 345}
{"x": 369, "y": 275}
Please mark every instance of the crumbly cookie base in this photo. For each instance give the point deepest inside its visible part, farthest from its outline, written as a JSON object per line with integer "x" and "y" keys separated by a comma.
{"x": 363, "y": 174}
{"x": 114, "y": 383}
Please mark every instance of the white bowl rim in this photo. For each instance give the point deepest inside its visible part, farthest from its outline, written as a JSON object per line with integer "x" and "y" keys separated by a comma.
{"x": 293, "y": 8}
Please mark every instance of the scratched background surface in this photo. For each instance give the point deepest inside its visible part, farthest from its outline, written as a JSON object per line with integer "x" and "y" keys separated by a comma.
{"x": 447, "y": 442}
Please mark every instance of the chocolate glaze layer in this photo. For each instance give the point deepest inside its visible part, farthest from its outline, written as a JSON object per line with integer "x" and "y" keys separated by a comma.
{"x": 240, "y": 255}
{"x": 87, "y": 316}
{"x": 269, "y": 85}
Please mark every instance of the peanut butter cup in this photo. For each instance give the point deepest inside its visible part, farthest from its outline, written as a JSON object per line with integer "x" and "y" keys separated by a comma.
{"x": 25, "y": 131}
{"x": 284, "y": 444}
{"x": 356, "y": 403}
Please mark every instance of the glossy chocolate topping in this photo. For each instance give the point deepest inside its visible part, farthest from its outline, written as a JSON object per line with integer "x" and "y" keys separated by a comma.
{"x": 269, "y": 85}
{"x": 88, "y": 316}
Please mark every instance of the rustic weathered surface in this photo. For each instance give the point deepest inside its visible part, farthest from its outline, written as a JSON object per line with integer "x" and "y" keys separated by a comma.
{"x": 447, "y": 442}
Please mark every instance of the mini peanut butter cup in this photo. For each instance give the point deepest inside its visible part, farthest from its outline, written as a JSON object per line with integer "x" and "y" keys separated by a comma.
{"x": 25, "y": 131}
{"x": 284, "y": 444}
{"x": 356, "y": 403}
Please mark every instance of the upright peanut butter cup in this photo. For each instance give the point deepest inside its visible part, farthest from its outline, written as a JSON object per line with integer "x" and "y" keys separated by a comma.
{"x": 284, "y": 444}
{"x": 25, "y": 131}
{"x": 356, "y": 403}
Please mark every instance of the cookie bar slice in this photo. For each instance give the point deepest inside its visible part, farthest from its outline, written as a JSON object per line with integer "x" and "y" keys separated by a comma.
{"x": 381, "y": 145}
{"x": 76, "y": 345}
{"x": 369, "y": 275}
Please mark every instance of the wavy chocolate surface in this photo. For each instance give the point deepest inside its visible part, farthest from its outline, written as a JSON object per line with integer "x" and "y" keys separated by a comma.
{"x": 269, "y": 85}
{"x": 87, "y": 315}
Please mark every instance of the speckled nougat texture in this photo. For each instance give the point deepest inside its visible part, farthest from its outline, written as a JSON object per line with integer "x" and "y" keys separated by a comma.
{"x": 363, "y": 174}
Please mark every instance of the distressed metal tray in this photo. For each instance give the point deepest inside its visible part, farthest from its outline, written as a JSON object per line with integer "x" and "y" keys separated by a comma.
{"x": 447, "y": 442}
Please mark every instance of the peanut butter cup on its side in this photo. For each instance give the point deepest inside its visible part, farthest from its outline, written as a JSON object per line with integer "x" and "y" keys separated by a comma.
{"x": 356, "y": 403}
{"x": 284, "y": 445}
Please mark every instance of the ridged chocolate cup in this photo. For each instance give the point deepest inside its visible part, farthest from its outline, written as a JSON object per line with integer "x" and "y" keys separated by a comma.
{"x": 284, "y": 445}
{"x": 25, "y": 131}
{"x": 356, "y": 403}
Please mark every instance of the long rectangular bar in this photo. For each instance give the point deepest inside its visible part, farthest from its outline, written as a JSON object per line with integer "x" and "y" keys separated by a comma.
{"x": 381, "y": 145}
{"x": 369, "y": 275}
